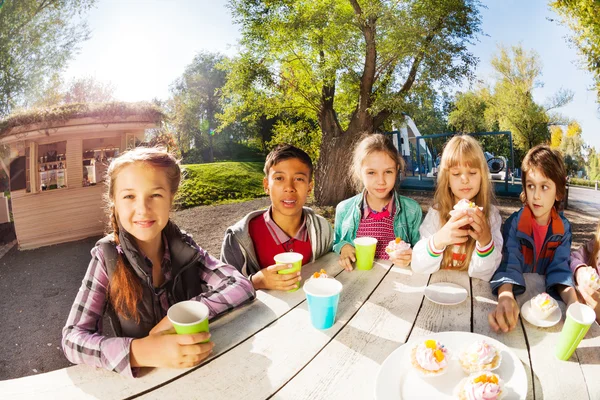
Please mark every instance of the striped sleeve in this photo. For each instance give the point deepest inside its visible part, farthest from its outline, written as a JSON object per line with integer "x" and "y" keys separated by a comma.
{"x": 228, "y": 288}
{"x": 82, "y": 339}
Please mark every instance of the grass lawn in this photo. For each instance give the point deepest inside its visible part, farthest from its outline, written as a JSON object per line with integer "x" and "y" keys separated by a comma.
{"x": 218, "y": 183}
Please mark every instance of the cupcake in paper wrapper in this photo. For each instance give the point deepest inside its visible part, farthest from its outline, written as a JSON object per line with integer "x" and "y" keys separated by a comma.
{"x": 464, "y": 204}
{"x": 543, "y": 305}
{"x": 430, "y": 358}
{"x": 480, "y": 386}
{"x": 480, "y": 356}
{"x": 397, "y": 246}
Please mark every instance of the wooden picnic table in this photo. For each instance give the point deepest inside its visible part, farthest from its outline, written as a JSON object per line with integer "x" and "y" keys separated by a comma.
{"x": 269, "y": 349}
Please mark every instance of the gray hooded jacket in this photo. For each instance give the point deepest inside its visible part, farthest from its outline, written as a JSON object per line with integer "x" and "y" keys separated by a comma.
{"x": 238, "y": 249}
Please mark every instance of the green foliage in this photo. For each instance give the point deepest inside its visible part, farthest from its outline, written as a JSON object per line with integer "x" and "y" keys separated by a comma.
{"x": 226, "y": 150}
{"x": 303, "y": 61}
{"x": 220, "y": 183}
{"x": 582, "y": 182}
{"x": 37, "y": 38}
{"x": 302, "y": 134}
{"x": 583, "y": 17}
{"x": 509, "y": 106}
{"x": 195, "y": 101}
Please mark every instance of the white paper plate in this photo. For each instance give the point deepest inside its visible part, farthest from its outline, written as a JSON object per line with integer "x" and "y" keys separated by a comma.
{"x": 542, "y": 323}
{"x": 446, "y": 293}
{"x": 397, "y": 379}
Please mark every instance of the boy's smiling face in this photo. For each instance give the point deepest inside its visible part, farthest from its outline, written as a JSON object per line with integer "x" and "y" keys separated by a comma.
{"x": 288, "y": 185}
{"x": 541, "y": 195}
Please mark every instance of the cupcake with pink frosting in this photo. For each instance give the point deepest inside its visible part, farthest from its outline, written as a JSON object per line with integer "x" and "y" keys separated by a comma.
{"x": 397, "y": 246}
{"x": 543, "y": 305}
{"x": 480, "y": 356}
{"x": 481, "y": 386}
{"x": 430, "y": 358}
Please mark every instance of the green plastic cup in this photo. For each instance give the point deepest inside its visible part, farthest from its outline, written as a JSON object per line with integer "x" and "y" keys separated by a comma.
{"x": 189, "y": 317}
{"x": 365, "y": 252}
{"x": 579, "y": 319}
{"x": 290, "y": 258}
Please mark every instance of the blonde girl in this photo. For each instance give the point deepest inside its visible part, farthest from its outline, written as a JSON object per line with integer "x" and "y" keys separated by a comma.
{"x": 468, "y": 240}
{"x": 139, "y": 270}
{"x": 378, "y": 210}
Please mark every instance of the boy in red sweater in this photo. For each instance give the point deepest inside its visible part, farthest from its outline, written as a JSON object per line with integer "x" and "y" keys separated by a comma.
{"x": 286, "y": 225}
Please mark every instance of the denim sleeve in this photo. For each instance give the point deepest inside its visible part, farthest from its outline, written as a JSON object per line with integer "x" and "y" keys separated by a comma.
{"x": 511, "y": 266}
{"x": 558, "y": 271}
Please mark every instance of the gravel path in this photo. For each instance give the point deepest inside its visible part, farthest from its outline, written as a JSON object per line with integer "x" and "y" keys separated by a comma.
{"x": 39, "y": 286}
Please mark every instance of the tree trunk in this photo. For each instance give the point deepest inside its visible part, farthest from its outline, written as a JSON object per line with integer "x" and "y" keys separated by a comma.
{"x": 333, "y": 175}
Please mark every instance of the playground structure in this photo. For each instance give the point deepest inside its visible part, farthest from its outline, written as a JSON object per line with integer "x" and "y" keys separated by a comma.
{"x": 422, "y": 159}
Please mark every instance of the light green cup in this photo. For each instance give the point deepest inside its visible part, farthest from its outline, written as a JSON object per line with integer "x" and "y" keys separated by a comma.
{"x": 579, "y": 319}
{"x": 189, "y": 317}
{"x": 289, "y": 258}
{"x": 365, "y": 252}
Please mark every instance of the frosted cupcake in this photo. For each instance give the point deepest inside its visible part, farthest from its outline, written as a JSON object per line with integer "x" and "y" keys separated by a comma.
{"x": 430, "y": 358}
{"x": 589, "y": 278}
{"x": 321, "y": 274}
{"x": 464, "y": 204}
{"x": 543, "y": 305}
{"x": 480, "y": 356}
{"x": 396, "y": 246}
{"x": 482, "y": 386}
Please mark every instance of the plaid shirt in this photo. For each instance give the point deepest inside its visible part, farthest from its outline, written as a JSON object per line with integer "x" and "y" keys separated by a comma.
{"x": 83, "y": 342}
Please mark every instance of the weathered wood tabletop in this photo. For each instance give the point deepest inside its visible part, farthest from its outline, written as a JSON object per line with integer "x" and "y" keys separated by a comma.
{"x": 268, "y": 349}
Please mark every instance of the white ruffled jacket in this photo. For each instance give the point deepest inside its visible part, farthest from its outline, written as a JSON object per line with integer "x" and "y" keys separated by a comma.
{"x": 479, "y": 267}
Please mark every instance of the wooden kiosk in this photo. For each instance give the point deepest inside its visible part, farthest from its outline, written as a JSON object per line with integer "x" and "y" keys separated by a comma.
{"x": 58, "y": 158}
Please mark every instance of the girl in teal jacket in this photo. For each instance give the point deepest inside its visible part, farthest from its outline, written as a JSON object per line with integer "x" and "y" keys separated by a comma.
{"x": 379, "y": 211}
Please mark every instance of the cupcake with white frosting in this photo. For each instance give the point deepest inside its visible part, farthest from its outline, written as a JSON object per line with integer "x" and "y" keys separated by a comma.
{"x": 430, "y": 358}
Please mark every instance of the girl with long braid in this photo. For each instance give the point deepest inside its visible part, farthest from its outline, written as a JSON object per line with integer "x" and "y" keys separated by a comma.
{"x": 139, "y": 270}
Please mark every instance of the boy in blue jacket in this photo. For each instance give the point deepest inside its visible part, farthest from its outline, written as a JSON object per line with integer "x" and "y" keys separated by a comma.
{"x": 537, "y": 238}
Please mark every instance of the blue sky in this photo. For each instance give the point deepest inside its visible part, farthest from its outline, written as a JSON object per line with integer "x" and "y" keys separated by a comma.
{"x": 143, "y": 46}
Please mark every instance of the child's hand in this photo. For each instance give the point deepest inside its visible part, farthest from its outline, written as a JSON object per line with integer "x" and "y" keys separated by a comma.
{"x": 169, "y": 350}
{"x": 480, "y": 229}
{"x": 451, "y": 233}
{"x": 164, "y": 325}
{"x": 268, "y": 278}
{"x": 506, "y": 314}
{"x": 347, "y": 257}
{"x": 401, "y": 259}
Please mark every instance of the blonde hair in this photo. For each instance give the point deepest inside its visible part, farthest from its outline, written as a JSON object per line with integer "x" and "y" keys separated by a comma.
{"x": 461, "y": 150}
{"x": 368, "y": 144}
{"x": 124, "y": 288}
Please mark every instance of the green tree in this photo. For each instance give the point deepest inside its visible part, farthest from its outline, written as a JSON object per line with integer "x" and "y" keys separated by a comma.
{"x": 512, "y": 104}
{"x": 583, "y": 17}
{"x": 37, "y": 38}
{"x": 349, "y": 65}
{"x": 195, "y": 102}
{"x": 593, "y": 164}
{"x": 468, "y": 114}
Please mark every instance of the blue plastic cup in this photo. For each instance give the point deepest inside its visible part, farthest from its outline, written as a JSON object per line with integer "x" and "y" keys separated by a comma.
{"x": 322, "y": 295}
